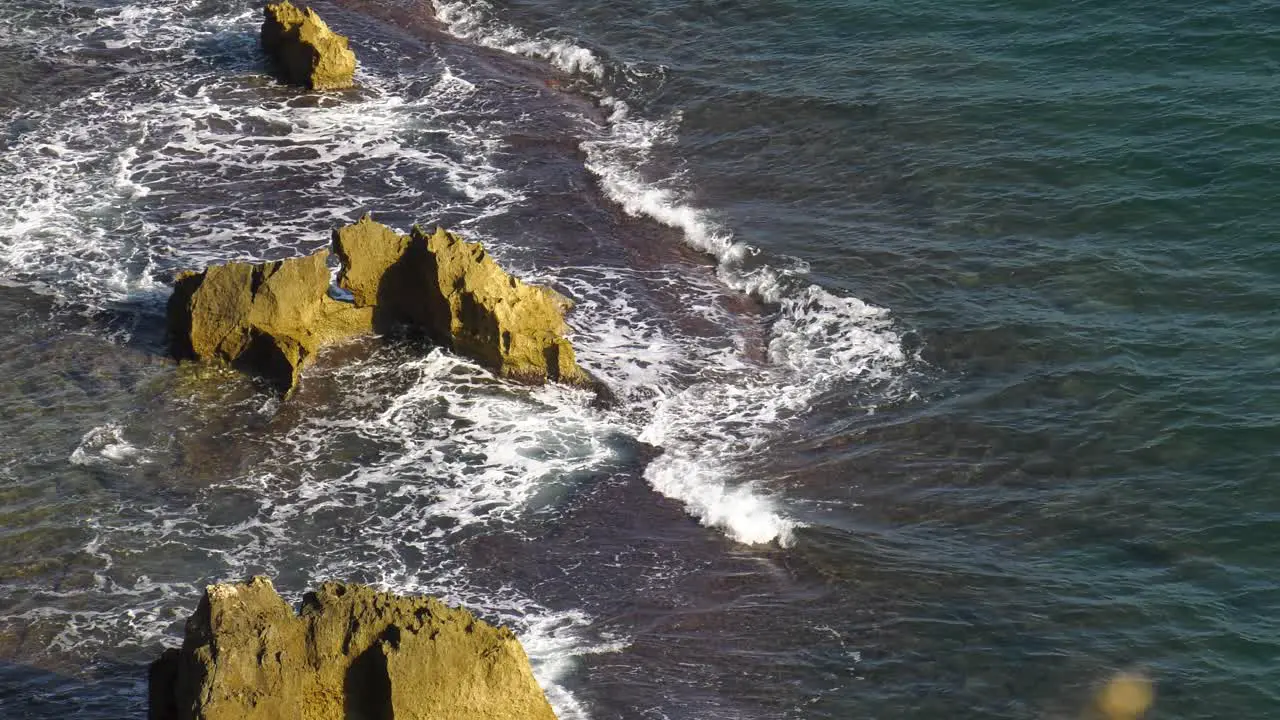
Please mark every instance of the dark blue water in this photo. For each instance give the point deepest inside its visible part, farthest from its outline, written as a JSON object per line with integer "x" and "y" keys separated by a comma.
{"x": 945, "y": 338}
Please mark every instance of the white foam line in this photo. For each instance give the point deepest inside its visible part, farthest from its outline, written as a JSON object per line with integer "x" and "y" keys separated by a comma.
{"x": 474, "y": 20}
{"x": 817, "y": 338}
{"x": 744, "y": 514}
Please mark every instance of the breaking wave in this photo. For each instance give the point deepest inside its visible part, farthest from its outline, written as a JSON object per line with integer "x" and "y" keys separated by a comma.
{"x": 732, "y": 408}
{"x": 476, "y": 21}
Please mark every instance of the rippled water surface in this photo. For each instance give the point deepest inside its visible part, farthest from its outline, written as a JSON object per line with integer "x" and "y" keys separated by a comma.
{"x": 943, "y": 336}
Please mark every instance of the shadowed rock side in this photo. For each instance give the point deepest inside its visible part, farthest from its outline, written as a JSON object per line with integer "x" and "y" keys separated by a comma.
{"x": 307, "y": 52}
{"x": 454, "y": 291}
{"x": 350, "y": 653}
{"x": 269, "y": 319}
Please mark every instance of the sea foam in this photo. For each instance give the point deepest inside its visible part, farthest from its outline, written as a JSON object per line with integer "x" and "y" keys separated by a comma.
{"x": 475, "y": 20}
{"x": 709, "y": 428}
{"x": 184, "y": 132}
{"x": 83, "y": 180}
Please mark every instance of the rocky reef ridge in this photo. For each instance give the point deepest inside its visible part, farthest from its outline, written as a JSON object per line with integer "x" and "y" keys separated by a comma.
{"x": 349, "y": 653}
{"x": 270, "y": 319}
{"x": 305, "y": 50}
{"x": 267, "y": 318}
{"x": 455, "y": 292}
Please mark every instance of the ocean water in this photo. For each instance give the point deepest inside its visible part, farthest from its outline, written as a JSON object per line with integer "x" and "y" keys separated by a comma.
{"x": 944, "y": 337}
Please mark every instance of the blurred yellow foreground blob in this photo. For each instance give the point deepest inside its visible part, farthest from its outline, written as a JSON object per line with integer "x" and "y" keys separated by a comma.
{"x": 1127, "y": 696}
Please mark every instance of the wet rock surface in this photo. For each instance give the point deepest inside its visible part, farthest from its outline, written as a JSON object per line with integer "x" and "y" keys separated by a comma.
{"x": 306, "y": 51}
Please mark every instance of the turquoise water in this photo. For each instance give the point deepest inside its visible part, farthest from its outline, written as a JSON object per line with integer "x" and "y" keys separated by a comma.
{"x": 985, "y": 413}
{"x": 1069, "y": 205}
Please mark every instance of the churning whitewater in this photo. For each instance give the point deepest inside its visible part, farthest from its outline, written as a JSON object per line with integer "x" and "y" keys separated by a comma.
{"x": 816, "y": 338}
{"x": 75, "y": 234}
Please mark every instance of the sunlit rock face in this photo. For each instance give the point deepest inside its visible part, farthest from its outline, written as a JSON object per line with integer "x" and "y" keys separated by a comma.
{"x": 305, "y": 50}
{"x": 455, "y": 292}
{"x": 271, "y": 319}
{"x": 349, "y": 653}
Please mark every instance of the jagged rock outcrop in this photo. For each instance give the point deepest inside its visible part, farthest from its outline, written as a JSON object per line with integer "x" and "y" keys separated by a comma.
{"x": 307, "y": 52}
{"x": 350, "y": 653}
{"x": 268, "y": 319}
{"x": 455, "y": 291}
